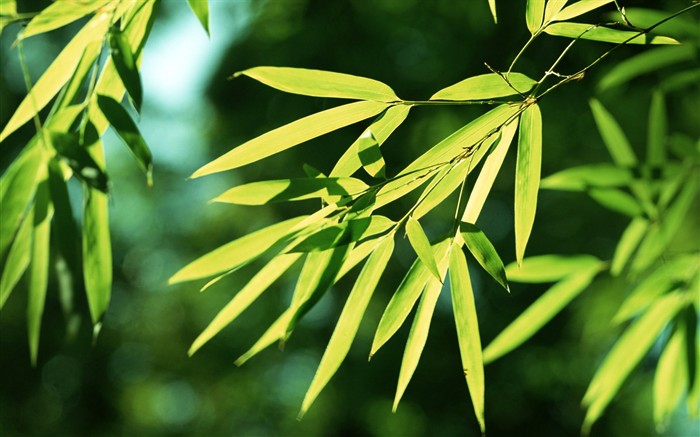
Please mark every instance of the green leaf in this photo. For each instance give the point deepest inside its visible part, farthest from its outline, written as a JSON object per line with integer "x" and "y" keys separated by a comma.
{"x": 671, "y": 377}
{"x": 319, "y": 83}
{"x": 583, "y": 177}
{"x": 552, "y": 9}
{"x": 674, "y": 273}
{"x": 527, "y": 176}
{"x": 421, "y": 245}
{"x": 69, "y": 149}
{"x": 246, "y": 296}
{"x": 381, "y": 129}
{"x": 467, "y": 331}
{"x": 344, "y": 233}
{"x": 418, "y": 335}
{"x": 17, "y": 188}
{"x": 579, "y": 8}
{"x": 370, "y": 155}
{"x": 17, "y": 258}
{"x": 595, "y": 32}
{"x": 56, "y": 75}
{"x": 680, "y": 80}
{"x": 97, "y": 253}
{"x": 484, "y": 252}
{"x": 486, "y": 86}
{"x": 683, "y": 26}
{"x": 613, "y": 136}
{"x": 8, "y": 7}
{"x": 534, "y": 14}
{"x": 644, "y": 63}
{"x": 59, "y": 14}
{"x": 626, "y": 354}
{"x": 271, "y": 335}
{"x": 405, "y": 297}
{"x": 125, "y": 63}
{"x": 488, "y": 173}
{"x": 492, "y": 7}
{"x": 126, "y": 128}
{"x": 349, "y": 320}
{"x": 631, "y": 237}
{"x": 657, "y": 130}
{"x": 284, "y": 190}
{"x": 292, "y": 134}
{"x": 616, "y": 200}
{"x": 76, "y": 82}
{"x": 441, "y": 186}
{"x": 236, "y": 253}
{"x": 201, "y": 11}
{"x": 39, "y": 265}
{"x": 540, "y": 312}
{"x": 549, "y": 268}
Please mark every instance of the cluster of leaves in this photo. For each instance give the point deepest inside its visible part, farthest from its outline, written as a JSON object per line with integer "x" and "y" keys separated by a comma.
{"x": 347, "y": 230}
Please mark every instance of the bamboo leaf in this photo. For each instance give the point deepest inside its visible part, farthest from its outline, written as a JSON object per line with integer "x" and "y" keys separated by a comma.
{"x": 59, "y": 14}
{"x": 626, "y": 354}
{"x": 349, "y": 320}
{"x": 405, "y": 297}
{"x": 17, "y": 258}
{"x": 201, "y": 11}
{"x": 126, "y": 128}
{"x": 552, "y": 9}
{"x": 319, "y": 83}
{"x": 125, "y": 63}
{"x": 484, "y": 252}
{"x": 343, "y": 233}
{"x": 616, "y": 200}
{"x": 657, "y": 130}
{"x": 631, "y": 237}
{"x": 534, "y": 14}
{"x": 539, "y": 313}
{"x": 549, "y": 268}
{"x": 39, "y": 265}
{"x": 271, "y": 335}
{"x": 486, "y": 86}
{"x": 613, "y": 136}
{"x": 583, "y": 177}
{"x": 441, "y": 186}
{"x": 671, "y": 378}
{"x": 284, "y": 190}
{"x": 292, "y": 134}
{"x": 246, "y": 296}
{"x": 97, "y": 253}
{"x": 381, "y": 129}
{"x": 236, "y": 253}
{"x": 56, "y": 75}
{"x": 421, "y": 245}
{"x": 370, "y": 155}
{"x": 645, "y": 62}
{"x": 492, "y": 165}
{"x": 579, "y": 8}
{"x": 67, "y": 145}
{"x": 467, "y": 331}
{"x": 492, "y": 7}
{"x": 595, "y": 32}
{"x": 527, "y": 176}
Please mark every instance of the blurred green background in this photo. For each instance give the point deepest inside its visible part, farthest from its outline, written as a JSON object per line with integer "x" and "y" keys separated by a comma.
{"x": 137, "y": 379}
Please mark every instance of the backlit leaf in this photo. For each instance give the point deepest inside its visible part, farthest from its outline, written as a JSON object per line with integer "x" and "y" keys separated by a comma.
{"x": 534, "y": 14}
{"x": 527, "y": 176}
{"x": 319, "y": 83}
{"x": 605, "y": 34}
{"x": 613, "y": 136}
{"x": 540, "y": 312}
{"x": 616, "y": 200}
{"x": 492, "y": 7}
{"x": 125, "y": 63}
{"x": 583, "y": 177}
{"x": 549, "y": 268}
{"x": 645, "y": 62}
{"x": 441, "y": 186}
{"x": 552, "y": 9}
{"x": 97, "y": 253}
{"x": 486, "y": 86}
{"x": 201, "y": 11}
{"x": 484, "y": 252}
{"x": 271, "y": 335}
{"x": 260, "y": 193}
{"x": 292, "y": 134}
{"x": 17, "y": 258}
{"x": 69, "y": 149}
{"x": 671, "y": 377}
{"x": 579, "y": 8}
{"x": 421, "y": 245}
{"x": 59, "y": 14}
{"x": 349, "y": 321}
{"x": 629, "y": 241}
{"x": 467, "y": 331}
{"x": 370, "y": 155}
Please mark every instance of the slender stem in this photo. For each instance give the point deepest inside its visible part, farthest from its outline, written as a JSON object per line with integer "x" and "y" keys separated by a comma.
{"x": 450, "y": 102}
{"x": 522, "y": 50}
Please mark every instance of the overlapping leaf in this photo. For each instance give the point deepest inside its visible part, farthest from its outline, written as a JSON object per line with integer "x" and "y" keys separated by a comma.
{"x": 527, "y": 176}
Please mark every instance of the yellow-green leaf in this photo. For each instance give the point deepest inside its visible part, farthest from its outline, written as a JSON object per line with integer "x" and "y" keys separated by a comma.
{"x": 97, "y": 253}
{"x": 319, "y": 83}
{"x": 527, "y": 176}
{"x": 274, "y": 333}
{"x": 349, "y": 321}
{"x": 492, "y": 7}
{"x": 579, "y": 8}
{"x": 613, "y": 136}
{"x": 605, "y": 34}
{"x": 59, "y": 14}
{"x": 486, "y": 86}
{"x": 467, "y": 331}
{"x": 283, "y": 190}
{"x": 629, "y": 241}
{"x": 657, "y": 131}
{"x": 549, "y": 268}
{"x": 370, "y": 155}
{"x": 583, "y": 177}
{"x": 671, "y": 378}
{"x": 246, "y": 296}
{"x": 292, "y": 134}
{"x": 616, "y": 200}
{"x": 17, "y": 258}
{"x": 645, "y": 62}
{"x": 552, "y": 9}
{"x": 201, "y": 11}
{"x": 484, "y": 252}
{"x": 421, "y": 245}
{"x": 534, "y": 14}
{"x": 125, "y": 63}
{"x": 539, "y": 313}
